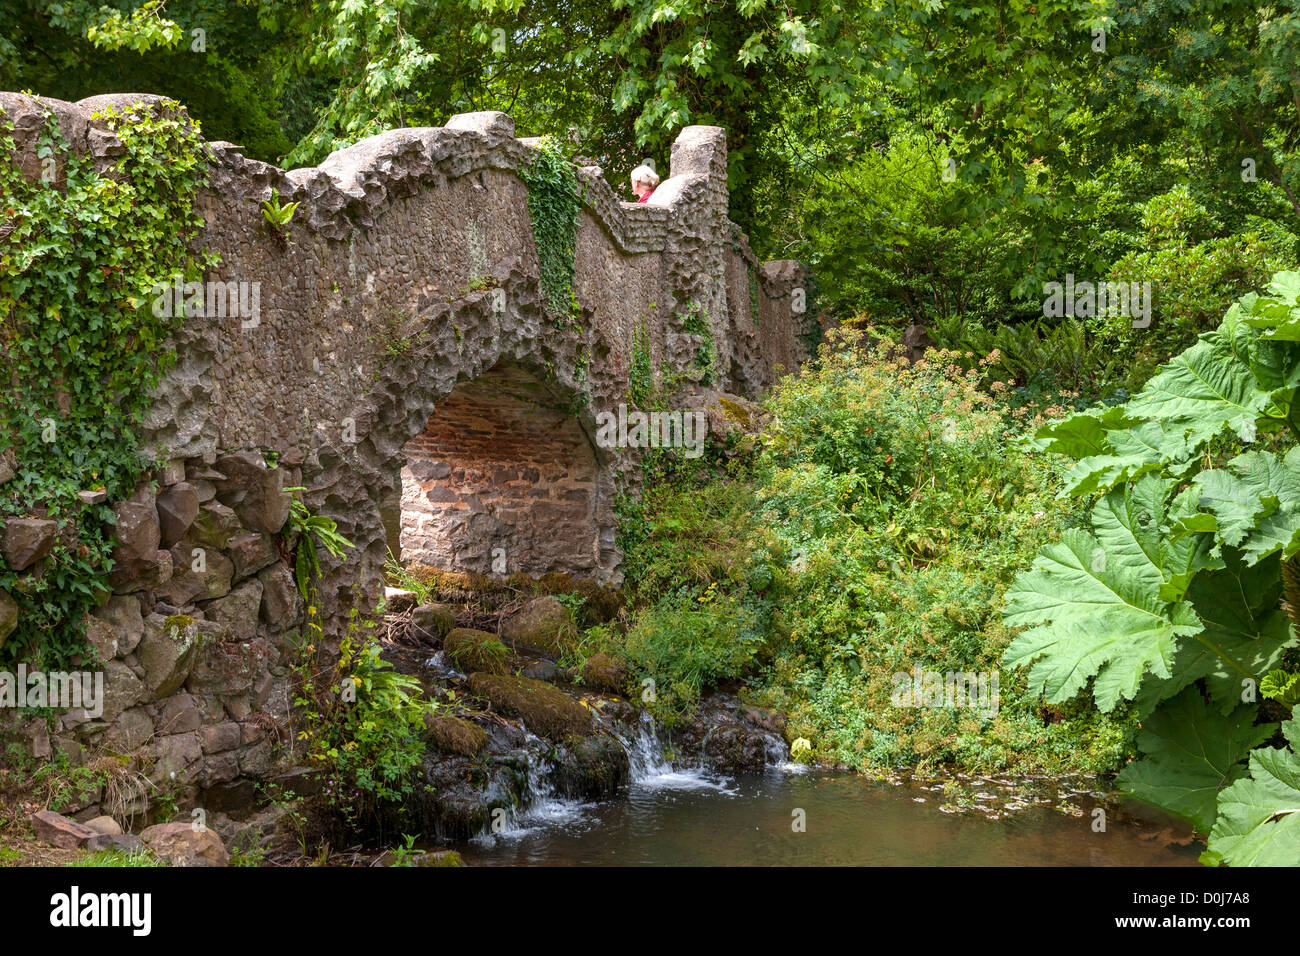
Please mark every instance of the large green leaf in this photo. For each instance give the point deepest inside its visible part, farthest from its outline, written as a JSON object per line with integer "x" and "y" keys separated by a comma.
{"x": 1255, "y": 502}
{"x": 1259, "y": 817}
{"x": 1205, "y": 389}
{"x": 1245, "y": 633}
{"x": 1190, "y": 754}
{"x": 1093, "y": 608}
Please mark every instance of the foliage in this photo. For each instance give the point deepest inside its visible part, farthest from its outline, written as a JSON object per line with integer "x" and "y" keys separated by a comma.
{"x": 311, "y": 531}
{"x": 357, "y": 718}
{"x": 1195, "y": 278}
{"x": 277, "y": 215}
{"x": 900, "y": 507}
{"x": 83, "y": 350}
{"x": 553, "y": 206}
{"x": 1193, "y": 545}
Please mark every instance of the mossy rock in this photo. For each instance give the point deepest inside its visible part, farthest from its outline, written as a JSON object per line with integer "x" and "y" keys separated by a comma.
{"x": 544, "y": 625}
{"x": 605, "y": 672}
{"x": 455, "y": 735}
{"x": 432, "y": 622}
{"x": 472, "y": 651}
{"x": 592, "y": 768}
{"x": 544, "y": 710}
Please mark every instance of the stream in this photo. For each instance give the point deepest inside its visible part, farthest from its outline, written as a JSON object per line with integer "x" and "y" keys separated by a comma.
{"x": 697, "y": 817}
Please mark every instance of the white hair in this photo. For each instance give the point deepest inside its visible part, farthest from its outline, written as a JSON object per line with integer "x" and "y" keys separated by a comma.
{"x": 644, "y": 174}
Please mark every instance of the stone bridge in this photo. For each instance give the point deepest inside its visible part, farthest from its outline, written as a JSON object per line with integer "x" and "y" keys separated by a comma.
{"x": 397, "y": 358}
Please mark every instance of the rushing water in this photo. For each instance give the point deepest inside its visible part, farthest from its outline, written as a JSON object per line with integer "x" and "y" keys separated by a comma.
{"x": 673, "y": 816}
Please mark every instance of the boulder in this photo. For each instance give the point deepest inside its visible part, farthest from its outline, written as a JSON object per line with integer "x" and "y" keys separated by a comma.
{"x": 136, "y": 554}
{"x": 236, "y": 613}
{"x": 167, "y": 652}
{"x": 282, "y": 605}
{"x": 254, "y": 491}
{"x": 122, "y": 614}
{"x": 184, "y": 844}
{"x": 455, "y": 735}
{"x": 178, "y": 506}
{"x": 544, "y": 625}
{"x": 58, "y": 830}
{"x": 472, "y": 651}
{"x": 214, "y": 526}
{"x": 605, "y": 672}
{"x": 201, "y": 577}
{"x": 251, "y": 553}
{"x": 544, "y": 709}
{"x": 27, "y": 540}
{"x": 105, "y": 825}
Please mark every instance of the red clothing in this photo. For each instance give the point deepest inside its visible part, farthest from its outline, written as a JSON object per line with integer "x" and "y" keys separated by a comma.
{"x": 646, "y": 196}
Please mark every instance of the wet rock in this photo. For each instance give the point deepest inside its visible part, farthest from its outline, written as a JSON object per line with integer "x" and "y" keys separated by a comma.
{"x": 177, "y": 506}
{"x": 183, "y": 845}
{"x": 606, "y": 673}
{"x": 543, "y": 709}
{"x": 544, "y": 625}
{"x": 455, "y": 735}
{"x": 27, "y": 540}
{"x": 592, "y": 768}
{"x": 254, "y": 491}
{"x": 167, "y": 652}
{"x": 432, "y": 622}
{"x": 540, "y": 670}
{"x": 472, "y": 651}
{"x": 734, "y": 748}
{"x": 251, "y": 553}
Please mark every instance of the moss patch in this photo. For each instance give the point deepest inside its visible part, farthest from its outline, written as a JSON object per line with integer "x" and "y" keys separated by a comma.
{"x": 543, "y": 624}
{"x": 455, "y": 735}
{"x": 472, "y": 651}
{"x": 544, "y": 710}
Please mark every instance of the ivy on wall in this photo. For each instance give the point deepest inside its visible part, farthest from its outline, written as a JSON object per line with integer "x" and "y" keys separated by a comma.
{"x": 553, "y": 203}
{"x": 81, "y": 350}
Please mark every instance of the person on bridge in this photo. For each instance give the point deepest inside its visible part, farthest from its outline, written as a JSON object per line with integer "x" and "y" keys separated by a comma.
{"x": 644, "y": 181}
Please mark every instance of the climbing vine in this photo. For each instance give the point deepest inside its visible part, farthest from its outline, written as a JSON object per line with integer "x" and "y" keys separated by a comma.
{"x": 81, "y": 348}
{"x": 553, "y": 203}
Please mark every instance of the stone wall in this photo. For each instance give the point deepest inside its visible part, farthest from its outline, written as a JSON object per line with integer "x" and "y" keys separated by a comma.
{"x": 402, "y": 367}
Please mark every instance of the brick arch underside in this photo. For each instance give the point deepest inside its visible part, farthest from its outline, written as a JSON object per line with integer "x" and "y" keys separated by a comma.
{"x": 502, "y": 479}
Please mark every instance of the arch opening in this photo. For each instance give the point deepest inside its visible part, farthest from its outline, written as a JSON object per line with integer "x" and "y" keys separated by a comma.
{"x": 502, "y": 480}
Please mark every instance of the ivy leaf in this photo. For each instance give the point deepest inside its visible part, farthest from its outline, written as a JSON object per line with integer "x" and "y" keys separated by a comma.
{"x": 1191, "y": 753}
{"x": 1259, "y": 817}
